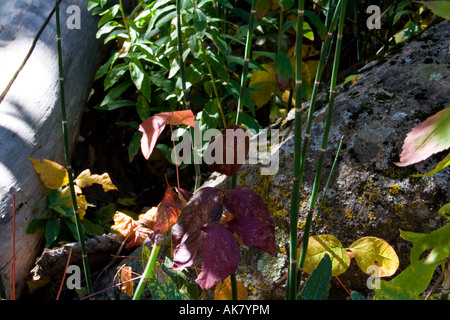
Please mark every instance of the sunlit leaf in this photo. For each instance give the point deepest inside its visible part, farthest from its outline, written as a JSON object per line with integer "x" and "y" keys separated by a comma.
{"x": 320, "y": 245}
{"x": 445, "y": 211}
{"x": 81, "y": 200}
{"x": 440, "y": 166}
{"x": 153, "y": 126}
{"x": 125, "y": 277}
{"x": 372, "y": 251}
{"x": 151, "y": 129}
{"x": 132, "y": 230}
{"x": 52, "y": 174}
{"x": 426, "y": 139}
{"x": 148, "y": 218}
{"x": 176, "y": 118}
{"x": 252, "y": 221}
{"x": 440, "y": 8}
{"x": 86, "y": 179}
{"x": 168, "y": 212}
{"x": 437, "y": 239}
{"x": 223, "y": 290}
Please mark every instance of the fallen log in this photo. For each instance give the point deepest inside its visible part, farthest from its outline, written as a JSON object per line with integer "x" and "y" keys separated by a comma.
{"x": 30, "y": 124}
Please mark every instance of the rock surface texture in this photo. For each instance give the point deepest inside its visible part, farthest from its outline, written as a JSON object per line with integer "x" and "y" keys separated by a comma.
{"x": 368, "y": 195}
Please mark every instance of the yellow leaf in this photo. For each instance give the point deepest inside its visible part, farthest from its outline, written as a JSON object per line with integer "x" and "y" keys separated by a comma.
{"x": 34, "y": 285}
{"x": 372, "y": 252}
{"x": 264, "y": 82}
{"x": 81, "y": 200}
{"x": 86, "y": 179}
{"x": 52, "y": 174}
{"x": 148, "y": 218}
{"x": 123, "y": 224}
{"x": 309, "y": 69}
{"x": 223, "y": 290}
{"x": 125, "y": 277}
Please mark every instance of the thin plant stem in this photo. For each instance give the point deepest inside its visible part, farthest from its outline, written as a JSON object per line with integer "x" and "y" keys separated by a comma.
{"x": 213, "y": 80}
{"x": 326, "y": 45}
{"x": 248, "y": 48}
{"x": 295, "y": 205}
{"x": 186, "y": 97}
{"x": 78, "y": 226}
{"x": 446, "y": 284}
{"x": 324, "y": 137}
{"x": 328, "y": 183}
{"x": 148, "y": 268}
{"x": 64, "y": 275}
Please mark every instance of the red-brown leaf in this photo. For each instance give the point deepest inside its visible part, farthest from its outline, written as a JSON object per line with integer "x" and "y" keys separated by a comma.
{"x": 176, "y": 118}
{"x": 151, "y": 129}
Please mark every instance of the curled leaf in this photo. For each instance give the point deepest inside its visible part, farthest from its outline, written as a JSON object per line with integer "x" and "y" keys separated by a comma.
{"x": 86, "y": 179}
{"x": 176, "y": 118}
{"x": 52, "y": 174}
{"x": 125, "y": 277}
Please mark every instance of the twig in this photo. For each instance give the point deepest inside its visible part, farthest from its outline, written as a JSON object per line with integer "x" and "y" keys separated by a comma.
{"x": 65, "y": 272}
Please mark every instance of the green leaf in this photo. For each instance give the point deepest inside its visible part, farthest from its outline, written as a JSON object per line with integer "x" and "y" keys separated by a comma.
{"x": 437, "y": 239}
{"x": 283, "y": 70}
{"x": 372, "y": 251}
{"x": 92, "y": 228}
{"x": 286, "y": 4}
{"x": 115, "y": 93}
{"x": 318, "y": 284}
{"x": 143, "y": 108}
{"x": 114, "y": 74}
{"x": 390, "y": 291}
{"x": 136, "y": 72}
{"x": 52, "y": 229}
{"x": 109, "y": 14}
{"x": 317, "y": 23}
{"x": 445, "y": 211}
{"x": 320, "y": 245}
{"x": 357, "y": 296}
{"x": 36, "y": 225}
{"x": 199, "y": 18}
{"x": 440, "y": 8}
{"x": 181, "y": 279}
{"x": 440, "y": 166}
{"x": 166, "y": 289}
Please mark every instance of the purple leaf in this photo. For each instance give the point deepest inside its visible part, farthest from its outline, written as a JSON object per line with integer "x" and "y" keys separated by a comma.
{"x": 186, "y": 252}
{"x": 252, "y": 221}
{"x": 202, "y": 208}
{"x": 220, "y": 253}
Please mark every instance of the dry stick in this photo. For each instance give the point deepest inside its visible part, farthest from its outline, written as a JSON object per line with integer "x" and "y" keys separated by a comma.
{"x": 80, "y": 232}
{"x": 295, "y": 205}
{"x": 13, "y": 266}
{"x": 65, "y": 272}
{"x": 324, "y": 137}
